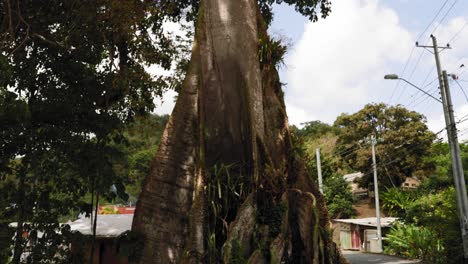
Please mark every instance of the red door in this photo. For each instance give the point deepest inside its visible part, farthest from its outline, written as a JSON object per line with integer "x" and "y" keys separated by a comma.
{"x": 355, "y": 239}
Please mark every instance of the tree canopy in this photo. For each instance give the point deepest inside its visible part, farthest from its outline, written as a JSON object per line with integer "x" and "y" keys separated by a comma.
{"x": 403, "y": 139}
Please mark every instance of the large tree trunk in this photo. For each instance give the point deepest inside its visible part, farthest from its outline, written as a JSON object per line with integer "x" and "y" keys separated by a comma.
{"x": 230, "y": 114}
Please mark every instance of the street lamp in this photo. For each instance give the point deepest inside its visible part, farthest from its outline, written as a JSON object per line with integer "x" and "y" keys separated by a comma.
{"x": 395, "y": 77}
{"x": 391, "y": 77}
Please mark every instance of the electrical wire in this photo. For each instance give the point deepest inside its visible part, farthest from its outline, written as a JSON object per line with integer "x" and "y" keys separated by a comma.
{"x": 443, "y": 18}
{"x": 460, "y": 121}
{"x": 458, "y": 33}
{"x": 465, "y": 132}
{"x": 433, "y": 19}
{"x": 411, "y": 75}
{"x": 424, "y": 84}
{"x": 461, "y": 88}
{"x": 431, "y": 91}
{"x": 401, "y": 74}
{"x": 412, "y": 50}
{"x": 380, "y": 164}
{"x": 384, "y": 164}
{"x": 424, "y": 97}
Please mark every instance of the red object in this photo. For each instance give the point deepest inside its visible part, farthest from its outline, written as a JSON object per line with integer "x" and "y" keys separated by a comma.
{"x": 116, "y": 209}
{"x": 355, "y": 239}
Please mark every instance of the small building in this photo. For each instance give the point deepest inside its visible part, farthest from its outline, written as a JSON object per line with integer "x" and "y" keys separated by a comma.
{"x": 108, "y": 228}
{"x": 352, "y": 179}
{"x": 411, "y": 183}
{"x": 112, "y": 221}
{"x": 359, "y": 234}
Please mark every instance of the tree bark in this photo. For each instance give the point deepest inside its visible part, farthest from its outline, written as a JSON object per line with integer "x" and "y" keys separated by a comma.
{"x": 231, "y": 111}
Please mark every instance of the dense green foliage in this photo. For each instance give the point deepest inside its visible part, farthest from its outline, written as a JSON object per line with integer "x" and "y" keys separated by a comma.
{"x": 415, "y": 242}
{"x": 338, "y": 197}
{"x": 7, "y": 194}
{"x": 435, "y": 216}
{"x": 396, "y": 201}
{"x": 432, "y": 208}
{"x": 142, "y": 138}
{"x": 337, "y": 192}
{"x": 75, "y": 73}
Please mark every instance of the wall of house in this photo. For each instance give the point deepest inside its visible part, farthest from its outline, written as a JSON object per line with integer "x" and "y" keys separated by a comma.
{"x": 346, "y": 236}
{"x": 105, "y": 252}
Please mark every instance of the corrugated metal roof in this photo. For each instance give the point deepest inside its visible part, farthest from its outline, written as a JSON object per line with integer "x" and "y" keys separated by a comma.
{"x": 353, "y": 176}
{"x": 369, "y": 221}
{"x": 107, "y": 225}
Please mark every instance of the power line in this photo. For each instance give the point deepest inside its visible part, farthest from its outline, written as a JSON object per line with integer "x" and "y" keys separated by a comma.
{"x": 412, "y": 50}
{"x": 463, "y": 118}
{"x": 350, "y": 151}
{"x": 461, "y": 88}
{"x": 458, "y": 33}
{"x": 433, "y": 19}
{"x": 431, "y": 91}
{"x": 423, "y": 84}
{"x": 446, "y": 13}
{"x": 462, "y": 57}
{"x": 464, "y": 133}
{"x": 402, "y": 73}
{"x": 424, "y": 97}
{"x": 411, "y": 75}
{"x": 413, "y": 149}
{"x": 399, "y": 158}
{"x": 460, "y": 121}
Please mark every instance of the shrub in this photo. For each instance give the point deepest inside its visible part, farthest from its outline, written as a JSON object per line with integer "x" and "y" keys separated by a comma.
{"x": 413, "y": 241}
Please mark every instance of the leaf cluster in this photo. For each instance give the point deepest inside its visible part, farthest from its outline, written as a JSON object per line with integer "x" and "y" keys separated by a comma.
{"x": 226, "y": 188}
{"x": 338, "y": 197}
{"x": 311, "y": 9}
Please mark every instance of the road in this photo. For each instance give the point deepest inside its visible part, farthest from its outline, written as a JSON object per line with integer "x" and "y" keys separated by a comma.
{"x": 356, "y": 257}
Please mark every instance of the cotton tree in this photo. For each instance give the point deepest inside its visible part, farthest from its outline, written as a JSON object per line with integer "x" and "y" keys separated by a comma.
{"x": 227, "y": 183}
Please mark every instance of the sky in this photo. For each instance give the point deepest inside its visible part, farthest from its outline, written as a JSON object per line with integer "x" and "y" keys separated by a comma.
{"x": 337, "y": 64}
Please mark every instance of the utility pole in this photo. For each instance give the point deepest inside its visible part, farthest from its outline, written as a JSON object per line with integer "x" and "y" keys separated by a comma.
{"x": 457, "y": 167}
{"x": 319, "y": 170}
{"x": 373, "y": 142}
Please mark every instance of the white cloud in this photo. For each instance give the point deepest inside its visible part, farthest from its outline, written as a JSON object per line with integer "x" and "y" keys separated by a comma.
{"x": 339, "y": 62}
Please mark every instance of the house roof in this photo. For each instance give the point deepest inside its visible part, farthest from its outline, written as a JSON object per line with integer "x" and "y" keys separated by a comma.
{"x": 369, "y": 221}
{"x": 351, "y": 177}
{"x": 111, "y": 225}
